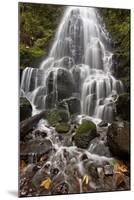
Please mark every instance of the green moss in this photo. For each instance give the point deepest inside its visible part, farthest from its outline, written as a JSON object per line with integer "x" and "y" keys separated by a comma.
{"x": 38, "y": 23}
{"x": 55, "y": 116}
{"x": 62, "y": 127}
{"x": 85, "y": 126}
{"x": 85, "y": 133}
{"x": 24, "y": 102}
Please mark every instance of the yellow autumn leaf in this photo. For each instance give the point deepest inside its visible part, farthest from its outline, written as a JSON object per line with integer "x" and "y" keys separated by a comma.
{"x": 46, "y": 183}
{"x": 120, "y": 167}
{"x": 22, "y": 165}
{"x": 85, "y": 179}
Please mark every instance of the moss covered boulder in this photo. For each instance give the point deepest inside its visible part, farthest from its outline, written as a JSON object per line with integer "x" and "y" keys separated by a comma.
{"x": 62, "y": 127}
{"x": 123, "y": 106}
{"x": 85, "y": 133}
{"x": 57, "y": 116}
{"x": 25, "y": 109}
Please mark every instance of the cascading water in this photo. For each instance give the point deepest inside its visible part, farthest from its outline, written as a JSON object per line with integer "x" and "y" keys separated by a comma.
{"x": 79, "y": 65}
{"x": 81, "y": 56}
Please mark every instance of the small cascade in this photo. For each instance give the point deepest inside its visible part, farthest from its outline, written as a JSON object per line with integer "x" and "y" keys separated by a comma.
{"x": 77, "y": 70}
{"x": 79, "y": 63}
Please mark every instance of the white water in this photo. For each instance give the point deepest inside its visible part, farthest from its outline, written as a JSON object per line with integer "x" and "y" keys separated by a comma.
{"x": 80, "y": 47}
{"x": 80, "y": 53}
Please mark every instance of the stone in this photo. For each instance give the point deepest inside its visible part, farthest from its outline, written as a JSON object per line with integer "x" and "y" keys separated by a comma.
{"x": 29, "y": 124}
{"x": 118, "y": 139}
{"x": 62, "y": 127}
{"x": 123, "y": 106}
{"x": 32, "y": 151}
{"x": 108, "y": 170}
{"x": 25, "y": 108}
{"x": 71, "y": 104}
{"x": 85, "y": 132}
{"x": 103, "y": 124}
{"x": 57, "y": 116}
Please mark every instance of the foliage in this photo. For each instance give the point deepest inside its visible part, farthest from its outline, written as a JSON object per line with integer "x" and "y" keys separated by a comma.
{"x": 38, "y": 23}
{"x": 24, "y": 102}
{"x": 118, "y": 25}
{"x": 46, "y": 183}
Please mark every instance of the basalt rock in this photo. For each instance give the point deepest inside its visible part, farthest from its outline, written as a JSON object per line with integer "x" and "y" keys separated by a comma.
{"x": 85, "y": 133}
{"x": 123, "y": 106}
{"x": 72, "y": 104}
{"x": 118, "y": 139}
{"x": 29, "y": 124}
{"x": 25, "y": 108}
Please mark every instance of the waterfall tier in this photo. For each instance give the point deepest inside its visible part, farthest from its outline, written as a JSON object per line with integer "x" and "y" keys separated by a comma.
{"x": 79, "y": 64}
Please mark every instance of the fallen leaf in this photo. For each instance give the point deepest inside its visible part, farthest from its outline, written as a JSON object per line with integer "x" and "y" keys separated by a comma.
{"x": 46, "y": 183}
{"x": 85, "y": 179}
{"x": 22, "y": 165}
{"x": 120, "y": 167}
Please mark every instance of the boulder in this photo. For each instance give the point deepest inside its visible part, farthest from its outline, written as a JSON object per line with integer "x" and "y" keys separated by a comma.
{"x": 72, "y": 104}
{"x": 62, "y": 127}
{"x": 118, "y": 139}
{"x": 29, "y": 124}
{"x": 123, "y": 106}
{"x": 57, "y": 116}
{"x": 25, "y": 108}
{"x": 61, "y": 83}
{"x": 103, "y": 124}
{"x": 85, "y": 133}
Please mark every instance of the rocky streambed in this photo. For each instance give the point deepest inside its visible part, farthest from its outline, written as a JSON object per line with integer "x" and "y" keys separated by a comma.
{"x": 65, "y": 154}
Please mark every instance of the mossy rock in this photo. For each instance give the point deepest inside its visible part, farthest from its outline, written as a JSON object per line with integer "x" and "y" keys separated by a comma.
{"x": 62, "y": 127}
{"x": 25, "y": 109}
{"x": 123, "y": 106}
{"x": 57, "y": 116}
{"x": 85, "y": 133}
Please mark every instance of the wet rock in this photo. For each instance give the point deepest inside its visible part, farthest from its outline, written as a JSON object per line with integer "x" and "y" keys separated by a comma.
{"x": 103, "y": 124}
{"x": 108, "y": 170}
{"x": 123, "y": 106}
{"x": 85, "y": 133}
{"x": 39, "y": 133}
{"x": 54, "y": 171}
{"x": 33, "y": 150}
{"x": 62, "y": 188}
{"x": 64, "y": 85}
{"x": 100, "y": 172}
{"x": 118, "y": 139}
{"x": 25, "y": 109}
{"x": 29, "y": 124}
{"x": 62, "y": 127}
{"x": 84, "y": 157}
{"x": 72, "y": 104}
{"x": 99, "y": 147}
{"x": 29, "y": 171}
{"x": 57, "y": 116}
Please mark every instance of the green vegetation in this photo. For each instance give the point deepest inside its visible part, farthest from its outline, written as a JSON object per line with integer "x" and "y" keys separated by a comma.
{"x": 57, "y": 116}
{"x": 117, "y": 23}
{"x": 85, "y": 127}
{"x": 38, "y": 23}
{"x": 24, "y": 102}
{"x": 62, "y": 127}
{"x": 85, "y": 133}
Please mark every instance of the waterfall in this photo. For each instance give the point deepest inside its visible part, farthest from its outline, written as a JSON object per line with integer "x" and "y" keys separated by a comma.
{"x": 79, "y": 61}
